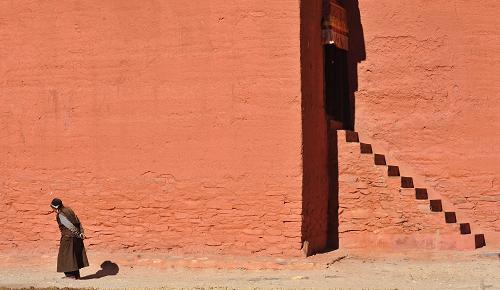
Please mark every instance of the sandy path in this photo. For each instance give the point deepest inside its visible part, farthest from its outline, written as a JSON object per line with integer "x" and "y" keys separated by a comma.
{"x": 437, "y": 272}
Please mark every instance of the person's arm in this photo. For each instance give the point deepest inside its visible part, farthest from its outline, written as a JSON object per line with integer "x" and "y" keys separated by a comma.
{"x": 82, "y": 231}
{"x": 65, "y": 222}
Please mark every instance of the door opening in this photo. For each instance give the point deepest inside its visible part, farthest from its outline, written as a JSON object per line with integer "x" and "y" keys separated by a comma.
{"x": 337, "y": 96}
{"x": 335, "y": 34}
{"x": 337, "y": 102}
{"x": 343, "y": 47}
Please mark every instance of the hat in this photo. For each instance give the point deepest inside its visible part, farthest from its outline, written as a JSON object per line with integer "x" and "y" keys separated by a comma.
{"x": 56, "y": 203}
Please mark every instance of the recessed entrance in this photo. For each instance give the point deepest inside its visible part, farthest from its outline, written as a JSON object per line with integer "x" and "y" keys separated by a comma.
{"x": 337, "y": 97}
{"x": 335, "y": 32}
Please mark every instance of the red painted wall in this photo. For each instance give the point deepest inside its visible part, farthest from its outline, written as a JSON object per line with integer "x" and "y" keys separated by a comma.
{"x": 163, "y": 124}
{"x": 184, "y": 125}
{"x": 377, "y": 214}
{"x": 428, "y": 97}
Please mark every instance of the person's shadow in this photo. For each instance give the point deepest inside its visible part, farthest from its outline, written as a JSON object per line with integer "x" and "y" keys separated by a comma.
{"x": 108, "y": 268}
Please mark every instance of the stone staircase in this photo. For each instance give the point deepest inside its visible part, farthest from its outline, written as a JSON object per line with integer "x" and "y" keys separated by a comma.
{"x": 379, "y": 208}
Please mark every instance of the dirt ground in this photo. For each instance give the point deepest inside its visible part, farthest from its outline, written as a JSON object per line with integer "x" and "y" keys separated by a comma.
{"x": 335, "y": 270}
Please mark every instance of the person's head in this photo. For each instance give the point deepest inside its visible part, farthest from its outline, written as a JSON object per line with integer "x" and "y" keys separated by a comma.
{"x": 56, "y": 204}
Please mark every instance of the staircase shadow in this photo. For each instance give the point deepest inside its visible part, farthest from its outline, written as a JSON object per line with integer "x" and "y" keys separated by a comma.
{"x": 108, "y": 268}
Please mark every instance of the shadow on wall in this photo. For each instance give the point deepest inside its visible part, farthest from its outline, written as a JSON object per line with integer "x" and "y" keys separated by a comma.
{"x": 320, "y": 196}
{"x": 355, "y": 55}
{"x": 108, "y": 268}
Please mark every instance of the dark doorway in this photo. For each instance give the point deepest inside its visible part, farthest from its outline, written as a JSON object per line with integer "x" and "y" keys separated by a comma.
{"x": 343, "y": 49}
{"x": 337, "y": 97}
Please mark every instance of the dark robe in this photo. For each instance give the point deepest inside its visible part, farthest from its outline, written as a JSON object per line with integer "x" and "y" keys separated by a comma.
{"x": 72, "y": 255}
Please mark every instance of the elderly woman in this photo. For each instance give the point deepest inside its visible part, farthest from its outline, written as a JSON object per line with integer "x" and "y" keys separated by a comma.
{"x": 72, "y": 256}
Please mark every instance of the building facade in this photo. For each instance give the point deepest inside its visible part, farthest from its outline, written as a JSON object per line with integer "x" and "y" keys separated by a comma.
{"x": 200, "y": 127}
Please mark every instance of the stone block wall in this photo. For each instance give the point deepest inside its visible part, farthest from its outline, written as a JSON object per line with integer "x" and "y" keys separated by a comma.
{"x": 428, "y": 98}
{"x": 166, "y": 125}
{"x": 198, "y": 126}
{"x": 379, "y": 209}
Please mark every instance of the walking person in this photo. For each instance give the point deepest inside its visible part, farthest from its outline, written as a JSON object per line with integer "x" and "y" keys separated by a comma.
{"x": 72, "y": 256}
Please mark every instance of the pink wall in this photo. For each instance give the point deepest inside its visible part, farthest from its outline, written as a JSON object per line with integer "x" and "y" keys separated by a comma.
{"x": 429, "y": 98}
{"x": 164, "y": 124}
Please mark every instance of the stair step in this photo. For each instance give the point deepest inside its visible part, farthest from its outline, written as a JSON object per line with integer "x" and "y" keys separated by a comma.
{"x": 436, "y": 205}
{"x": 423, "y": 208}
{"x": 465, "y": 229}
{"x": 379, "y": 159}
{"x": 441, "y": 236}
{"x": 365, "y": 148}
{"x": 461, "y": 242}
{"x": 479, "y": 240}
{"x": 421, "y": 193}
{"x": 409, "y": 192}
{"x": 450, "y": 217}
{"x": 351, "y": 136}
{"x": 392, "y": 170}
{"x": 431, "y": 241}
{"x": 406, "y": 182}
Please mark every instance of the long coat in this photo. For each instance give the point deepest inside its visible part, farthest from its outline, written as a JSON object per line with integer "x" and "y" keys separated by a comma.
{"x": 72, "y": 255}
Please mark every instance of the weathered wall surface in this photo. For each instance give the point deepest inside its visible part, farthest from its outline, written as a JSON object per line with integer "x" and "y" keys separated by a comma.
{"x": 375, "y": 212}
{"x": 163, "y": 124}
{"x": 315, "y": 182}
{"x": 428, "y": 97}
